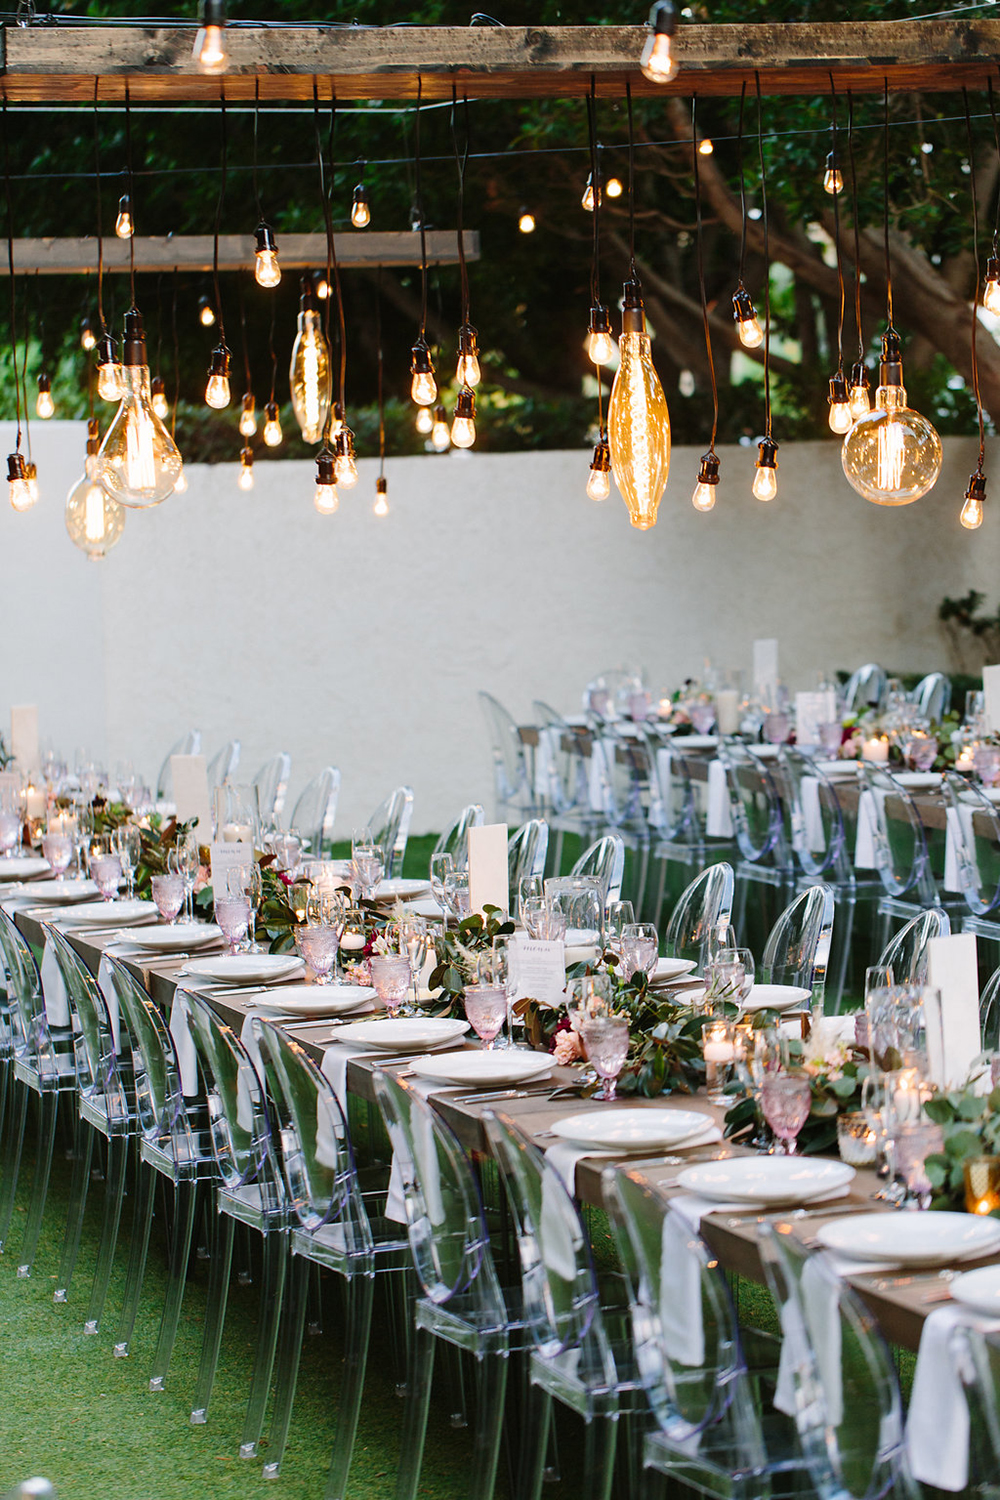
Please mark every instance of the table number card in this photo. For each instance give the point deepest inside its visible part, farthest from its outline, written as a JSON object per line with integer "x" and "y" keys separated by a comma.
{"x": 951, "y": 1008}
{"x": 765, "y": 667}
{"x": 540, "y": 970}
{"x": 991, "y": 695}
{"x": 24, "y": 736}
{"x": 226, "y": 857}
{"x": 191, "y": 799}
{"x": 812, "y": 710}
{"x": 488, "y": 878}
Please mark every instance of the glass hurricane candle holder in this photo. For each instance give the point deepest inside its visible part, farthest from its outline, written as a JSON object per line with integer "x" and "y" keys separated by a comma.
{"x": 719, "y": 1042}
{"x": 982, "y": 1184}
{"x": 856, "y": 1140}
{"x": 914, "y": 1143}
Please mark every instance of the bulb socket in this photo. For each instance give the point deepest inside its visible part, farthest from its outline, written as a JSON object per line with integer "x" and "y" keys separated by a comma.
{"x": 134, "y": 342}
{"x": 221, "y": 362}
{"x": 213, "y": 12}
{"x": 708, "y": 471}
{"x": 246, "y": 457}
{"x": 420, "y": 359}
{"x": 859, "y": 374}
{"x": 16, "y": 467}
{"x": 767, "y": 454}
{"x": 891, "y": 364}
{"x": 308, "y": 301}
{"x": 633, "y": 311}
{"x": 271, "y": 411}
{"x": 381, "y": 486}
{"x": 157, "y": 387}
{"x": 993, "y": 269}
{"x": 663, "y": 18}
{"x": 600, "y": 319}
{"x": 977, "y": 487}
{"x": 743, "y": 308}
{"x": 360, "y": 195}
{"x": 467, "y": 340}
{"x": 343, "y": 443}
{"x": 324, "y": 467}
{"x": 838, "y": 389}
{"x": 465, "y": 406}
{"x": 93, "y": 435}
{"x": 264, "y": 239}
{"x": 440, "y": 415}
{"x": 44, "y": 383}
{"x": 107, "y": 350}
{"x": 601, "y": 460}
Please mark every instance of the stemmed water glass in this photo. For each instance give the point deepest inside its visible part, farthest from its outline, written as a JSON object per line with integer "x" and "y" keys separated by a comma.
{"x": 168, "y": 893}
{"x": 105, "y": 867}
{"x": 640, "y": 949}
{"x": 606, "y": 1041}
{"x": 496, "y": 969}
{"x": 232, "y": 906}
{"x": 187, "y": 860}
{"x": 10, "y": 820}
{"x": 391, "y": 977}
{"x": 57, "y": 848}
{"x": 413, "y": 944}
{"x": 529, "y": 888}
{"x": 618, "y": 916}
{"x": 442, "y": 865}
{"x": 785, "y": 1098}
{"x": 486, "y": 1010}
{"x": 83, "y": 831}
{"x": 255, "y": 895}
{"x": 127, "y": 844}
{"x": 368, "y": 860}
{"x": 319, "y": 946}
{"x": 456, "y": 894}
{"x": 762, "y": 1051}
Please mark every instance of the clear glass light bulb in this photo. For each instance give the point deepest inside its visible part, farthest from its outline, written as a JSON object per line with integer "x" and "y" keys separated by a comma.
{"x": 750, "y": 332}
{"x": 272, "y": 432}
{"x": 704, "y": 496}
{"x": 705, "y": 148}
{"x": 19, "y": 494}
{"x": 266, "y": 270}
{"x": 180, "y": 483}
{"x": 245, "y": 479}
{"x": 217, "y": 392}
{"x": 972, "y": 513}
{"x": 110, "y": 382}
{"x": 423, "y": 388}
{"x": 526, "y": 223}
{"x": 599, "y": 484}
{"x": 326, "y": 499}
{"x": 860, "y": 401}
{"x": 345, "y": 471}
{"x": 463, "y": 432}
{"x": 892, "y": 455}
{"x": 210, "y": 53}
{"x": 600, "y": 347}
{"x": 45, "y": 407}
{"x": 833, "y": 181}
{"x": 440, "y": 435}
{"x": 840, "y": 417}
{"x": 322, "y": 288}
{"x": 33, "y": 482}
{"x": 425, "y": 421}
{"x": 613, "y": 187}
{"x": 160, "y": 404}
{"x": 639, "y": 431}
{"x": 467, "y": 371}
{"x": 991, "y": 296}
{"x": 656, "y": 60}
{"x": 88, "y": 338}
{"x": 94, "y": 521}
{"x": 310, "y": 376}
{"x": 206, "y": 313}
{"x": 381, "y": 506}
{"x": 589, "y": 199}
{"x": 139, "y": 462}
{"x": 361, "y": 215}
{"x": 124, "y": 228}
{"x": 248, "y": 417}
{"x": 765, "y": 483}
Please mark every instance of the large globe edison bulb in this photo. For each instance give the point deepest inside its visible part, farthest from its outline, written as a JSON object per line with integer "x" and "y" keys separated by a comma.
{"x": 94, "y": 521}
{"x": 638, "y": 424}
{"x": 310, "y": 375}
{"x": 139, "y": 462}
{"x": 892, "y": 455}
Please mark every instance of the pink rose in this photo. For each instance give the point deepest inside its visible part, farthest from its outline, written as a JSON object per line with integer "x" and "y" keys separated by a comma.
{"x": 202, "y": 878}
{"x": 567, "y": 1048}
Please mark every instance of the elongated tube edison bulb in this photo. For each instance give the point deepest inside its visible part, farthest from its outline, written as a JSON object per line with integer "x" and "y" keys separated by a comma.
{"x": 45, "y": 407}
{"x": 272, "y": 425}
{"x": 139, "y": 462}
{"x": 310, "y": 373}
{"x": 94, "y": 521}
{"x": 892, "y": 456}
{"x": 656, "y": 59}
{"x": 440, "y": 433}
{"x": 972, "y": 511}
{"x": 18, "y": 489}
{"x": 248, "y": 416}
{"x": 638, "y": 419}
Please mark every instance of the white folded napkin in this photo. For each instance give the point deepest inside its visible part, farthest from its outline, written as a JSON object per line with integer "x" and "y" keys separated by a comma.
{"x": 960, "y": 849}
{"x": 869, "y": 812}
{"x": 680, "y": 1292}
{"x": 820, "y": 1333}
{"x": 937, "y": 1426}
{"x": 53, "y": 989}
{"x": 564, "y": 1155}
{"x": 187, "y": 1057}
{"x": 105, "y": 984}
{"x": 812, "y": 815}
{"x": 599, "y": 777}
{"x": 718, "y": 818}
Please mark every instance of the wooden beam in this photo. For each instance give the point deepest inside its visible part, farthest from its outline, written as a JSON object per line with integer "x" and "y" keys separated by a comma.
{"x": 193, "y": 252}
{"x": 48, "y": 62}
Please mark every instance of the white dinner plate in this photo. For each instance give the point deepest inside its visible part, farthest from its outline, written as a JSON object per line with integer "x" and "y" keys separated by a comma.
{"x": 110, "y": 913}
{"x": 671, "y": 968}
{"x": 631, "y": 1129}
{"x": 402, "y": 890}
{"x": 764, "y": 752}
{"x": 246, "y": 968}
{"x": 59, "y": 891}
{"x": 581, "y": 954}
{"x": 407, "y": 1034}
{"x": 830, "y": 768}
{"x": 314, "y": 999}
{"x": 776, "y": 997}
{"x": 426, "y": 906}
{"x": 911, "y": 1239}
{"x": 979, "y": 1289}
{"x": 178, "y": 938}
{"x": 991, "y": 793}
{"x": 22, "y": 867}
{"x": 767, "y": 1179}
{"x": 915, "y": 780}
{"x": 484, "y": 1069}
{"x": 695, "y": 742}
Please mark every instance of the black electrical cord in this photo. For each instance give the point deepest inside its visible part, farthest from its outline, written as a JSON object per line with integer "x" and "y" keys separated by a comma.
{"x": 461, "y": 162}
{"x": 420, "y": 214}
{"x": 885, "y": 209}
{"x": 857, "y": 228}
{"x": 743, "y": 190}
{"x": 631, "y": 183}
{"x": 767, "y": 263}
{"x": 701, "y": 273}
{"x": 835, "y": 161}
{"x": 100, "y": 214}
{"x": 10, "y": 267}
{"x": 218, "y": 215}
{"x": 131, "y": 199}
{"x": 975, "y": 300}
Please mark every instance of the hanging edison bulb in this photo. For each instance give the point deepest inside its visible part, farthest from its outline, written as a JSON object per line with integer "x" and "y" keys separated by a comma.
{"x": 45, "y": 407}
{"x": 88, "y": 338}
{"x": 613, "y": 187}
{"x": 747, "y": 325}
{"x": 206, "y": 313}
{"x": 600, "y": 346}
{"x": 217, "y": 390}
{"x": 656, "y": 59}
{"x": 859, "y": 391}
{"x": 361, "y": 214}
{"x": 833, "y": 177}
{"x": 463, "y": 428}
{"x": 210, "y": 55}
{"x": 345, "y": 468}
{"x": 245, "y": 478}
{"x": 94, "y": 520}
{"x": 765, "y": 482}
{"x": 272, "y": 425}
{"x": 468, "y": 371}
{"x": 110, "y": 377}
{"x": 705, "y": 147}
{"x": 425, "y": 421}
{"x": 423, "y": 386}
{"x": 526, "y": 221}
{"x": 322, "y": 286}
{"x": 893, "y": 455}
{"x": 266, "y": 270}
{"x": 381, "y": 506}
{"x": 248, "y": 415}
{"x": 440, "y": 433}
{"x": 159, "y": 393}
{"x": 180, "y": 483}
{"x": 124, "y": 226}
{"x": 591, "y": 196}
{"x": 310, "y": 372}
{"x": 599, "y": 482}
{"x": 139, "y": 462}
{"x": 325, "y": 497}
{"x": 638, "y": 419}
{"x": 703, "y": 498}
{"x": 991, "y": 293}
{"x": 972, "y": 511}
{"x": 18, "y": 489}
{"x": 840, "y": 406}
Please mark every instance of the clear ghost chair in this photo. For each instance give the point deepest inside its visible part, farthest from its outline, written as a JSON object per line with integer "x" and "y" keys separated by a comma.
{"x": 560, "y": 768}
{"x": 989, "y": 1013}
{"x": 906, "y": 954}
{"x": 222, "y": 767}
{"x": 188, "y": 744}
{"x": 512, "y": 779}
{"x": 315, "y": 810}
{"x": 455, "y": 839}
{"x": 271, "y": 782}
{"x": 758, "y": 821}
{"x": 681, "y": 836}
{"x": 979, "y": 1366}
{"x": 901, "y": 847}
{"x": 44, "y": 1068}
{"x": 865, "y": 688}
{"x": 932, "y": 696}
{"x": 797, "y": 950}
{"x": 700, "y": 920}
{"x": 604, "y": 859}
{"x": 330, "y": 1227}
{"x": 389, "y": 825}
{"x": 526, "y": 850}
{"x": 974, "y": 828}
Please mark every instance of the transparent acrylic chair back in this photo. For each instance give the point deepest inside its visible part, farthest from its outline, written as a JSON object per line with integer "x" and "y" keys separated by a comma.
{"x": 238, "y": 1126}
{"x": 389, "y": 826}
{"x": 315, "y": 811}
{"x": 907, "y": 953}
{"x": 797, "y": 950}
{"x": 702, "y": 912}
{"x": 604, "y": 859}
{"x": 455, "y": 839}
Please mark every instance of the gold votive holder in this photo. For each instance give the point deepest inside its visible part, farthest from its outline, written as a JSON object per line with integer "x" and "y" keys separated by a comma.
{"x": 982, "y": 1184}
{"x": 856, "y": 1140}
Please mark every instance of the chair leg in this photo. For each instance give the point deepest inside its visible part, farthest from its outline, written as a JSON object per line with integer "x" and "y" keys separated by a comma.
{"x": 19, "y": 1116}
{"x": 418, "y": 1395}
{"x": 114, "y": 1194}
{"x": 215, "y": 1314}
{"x": 83, "y": 1151}
{"x": 272, "y": 1292}
{"x": 47, "y": 1106}
{"x": 599, "y": 1460}
{"x": 360, "y": 1291}
{"x": 142, "y": 1223}
{"x": 314, "y": 1316}
{"x": 534, "y": 1441}
{"x": 185, "y": 1201}
{"x": 288, "y": 1364}
{"x": 491, "y": 1382}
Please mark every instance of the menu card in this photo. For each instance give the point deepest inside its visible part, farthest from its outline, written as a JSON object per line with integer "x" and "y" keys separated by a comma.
{"x": 765, "y": 667}
{"x": 991, "y": 695}
{"x": 226, "y": 857}
{"x": 812, "y": 710}
{"x": 24, "y": 736}
{"x": 951, "y": 1008}
{"x": 191, "y": 799}
{"x": 539, "y": 969}
{"x": 488, "y": 876}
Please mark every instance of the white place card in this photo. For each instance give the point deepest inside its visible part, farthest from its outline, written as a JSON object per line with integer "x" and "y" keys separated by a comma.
{"x": 812, "y": 710}
{"x": 24, "y": 736}
{"x": 226, "y": 857}
{"x": 488, "y": 878}
{"x": 191, "y": 799}
{"x": 991, "y": 696}
{"x": 951, "y": 1008}
{"x": 539, "y": 969}
{"x": 765, "y": 667}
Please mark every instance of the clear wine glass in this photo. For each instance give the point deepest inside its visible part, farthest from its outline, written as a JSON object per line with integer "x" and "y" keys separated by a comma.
{"x": 785, "y": 1099}
{"x": 456, "y": 894}
{"x": 413, "y": 945}
{"x": 187, "y": 860}
{"x": 640, "y": 949}
{"x": 127, "y": 845}
{"x": 606, "y": 1041}
{"x": 442, "y": 865}
{"x": 618, "y": 916}
{"x": 369, "y": 866}
{"x": 529, "y": 888}
{"x": 168, "y": 893}
{"x": 83, "y": 832}
{"x": 486, "y": 1010}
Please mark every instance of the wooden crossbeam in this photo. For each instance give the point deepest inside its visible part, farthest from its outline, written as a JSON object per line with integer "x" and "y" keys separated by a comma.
{"x": 193, "y": 252}
{"x": 45, "y": 63}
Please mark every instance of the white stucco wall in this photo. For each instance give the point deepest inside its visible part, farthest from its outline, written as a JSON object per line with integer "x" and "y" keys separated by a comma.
{"x": 361, "y": 642}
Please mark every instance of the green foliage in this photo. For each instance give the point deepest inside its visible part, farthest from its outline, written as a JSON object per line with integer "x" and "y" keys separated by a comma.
{"x": 970, "y": 1124}
{"x": 457, "y": 950}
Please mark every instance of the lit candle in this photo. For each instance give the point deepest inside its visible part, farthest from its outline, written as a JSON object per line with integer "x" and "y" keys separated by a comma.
{"x": 982, "y": 1184}
{"x": 237, "y": 833}
{"x": 35, "y": 802}
{"x": 718, "y": 1049}
{"x": 876, "y": 750}
{"x": 964, "y": 761}
{"x": 353, "y": 941}
{"x": 907, "y": 1099}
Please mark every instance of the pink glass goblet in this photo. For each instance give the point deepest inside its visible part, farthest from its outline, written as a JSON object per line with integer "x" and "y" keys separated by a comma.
{"x": 106, "y": 872}
{"x": 57, "y": 848}
{"x": 785, "y": 1099}
{"x": 486, "y": 1010}
{"x": 318, "y": 946}
{"x": 232, "y": 913}
{"x": 391, "y": 977}
{"x": 606, "y": 1041}
{"x": 168, "y": 893}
